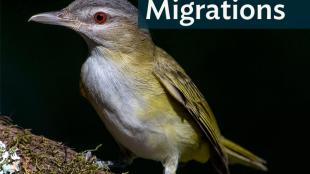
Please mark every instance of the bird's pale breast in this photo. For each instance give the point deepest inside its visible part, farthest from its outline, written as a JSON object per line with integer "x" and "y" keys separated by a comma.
{"x": 139, "y": 114}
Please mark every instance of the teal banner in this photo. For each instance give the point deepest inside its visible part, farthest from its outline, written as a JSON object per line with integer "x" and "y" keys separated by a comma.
{"x": 221, "y": 14}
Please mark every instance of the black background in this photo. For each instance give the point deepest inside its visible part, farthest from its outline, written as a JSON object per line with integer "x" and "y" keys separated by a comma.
{"x": 257, "y": 82}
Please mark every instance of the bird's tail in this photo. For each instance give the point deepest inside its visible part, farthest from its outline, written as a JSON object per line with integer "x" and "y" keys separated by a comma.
{"x": 239, "y": 155}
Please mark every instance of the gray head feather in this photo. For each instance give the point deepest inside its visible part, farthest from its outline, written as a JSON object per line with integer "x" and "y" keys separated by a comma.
{"x": 122, "y": 5}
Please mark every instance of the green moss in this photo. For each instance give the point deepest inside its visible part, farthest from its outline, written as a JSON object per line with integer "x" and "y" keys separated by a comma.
{"x": 40, "y": 155}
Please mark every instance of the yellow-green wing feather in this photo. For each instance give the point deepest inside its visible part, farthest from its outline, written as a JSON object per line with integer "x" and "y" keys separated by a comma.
{"x": 181, "y": 87}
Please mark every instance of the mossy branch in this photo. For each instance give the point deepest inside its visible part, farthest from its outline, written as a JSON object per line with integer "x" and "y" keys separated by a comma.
{"x": 40, "y": 155}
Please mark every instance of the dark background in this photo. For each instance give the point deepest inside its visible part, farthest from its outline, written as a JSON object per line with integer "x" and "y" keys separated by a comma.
{"x": 257, "y": 82}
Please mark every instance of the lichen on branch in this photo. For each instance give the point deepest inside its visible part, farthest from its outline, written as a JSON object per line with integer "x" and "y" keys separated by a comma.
{"x": 40, "y": 155}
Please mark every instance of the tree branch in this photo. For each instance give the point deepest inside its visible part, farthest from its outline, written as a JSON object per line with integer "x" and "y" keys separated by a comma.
{"x": 40, "y": 155}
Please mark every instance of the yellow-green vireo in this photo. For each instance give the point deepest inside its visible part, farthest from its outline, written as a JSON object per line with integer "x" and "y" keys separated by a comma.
{"x": 145, "y": 99}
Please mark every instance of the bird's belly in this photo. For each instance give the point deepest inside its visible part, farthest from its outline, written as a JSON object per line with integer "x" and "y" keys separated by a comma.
{"x": 116, "y": 102}
{"x": 136, "y": 139}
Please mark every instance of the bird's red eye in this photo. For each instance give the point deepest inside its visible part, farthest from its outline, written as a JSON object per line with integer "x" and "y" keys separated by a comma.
{"x": 100, "y": 17}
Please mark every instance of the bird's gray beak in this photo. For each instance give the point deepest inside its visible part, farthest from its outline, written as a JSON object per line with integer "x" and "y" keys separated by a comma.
{"x": 53, "y": 18}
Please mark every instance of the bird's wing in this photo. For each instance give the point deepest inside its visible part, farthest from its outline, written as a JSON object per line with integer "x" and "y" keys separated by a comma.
{"x": 181, "y": 87}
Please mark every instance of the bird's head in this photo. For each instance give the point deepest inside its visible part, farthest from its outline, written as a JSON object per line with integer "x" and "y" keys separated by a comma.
{"x": 109, "y": 23}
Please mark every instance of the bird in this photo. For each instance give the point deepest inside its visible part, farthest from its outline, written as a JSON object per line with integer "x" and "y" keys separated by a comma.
{"x": 145, "y": 99}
